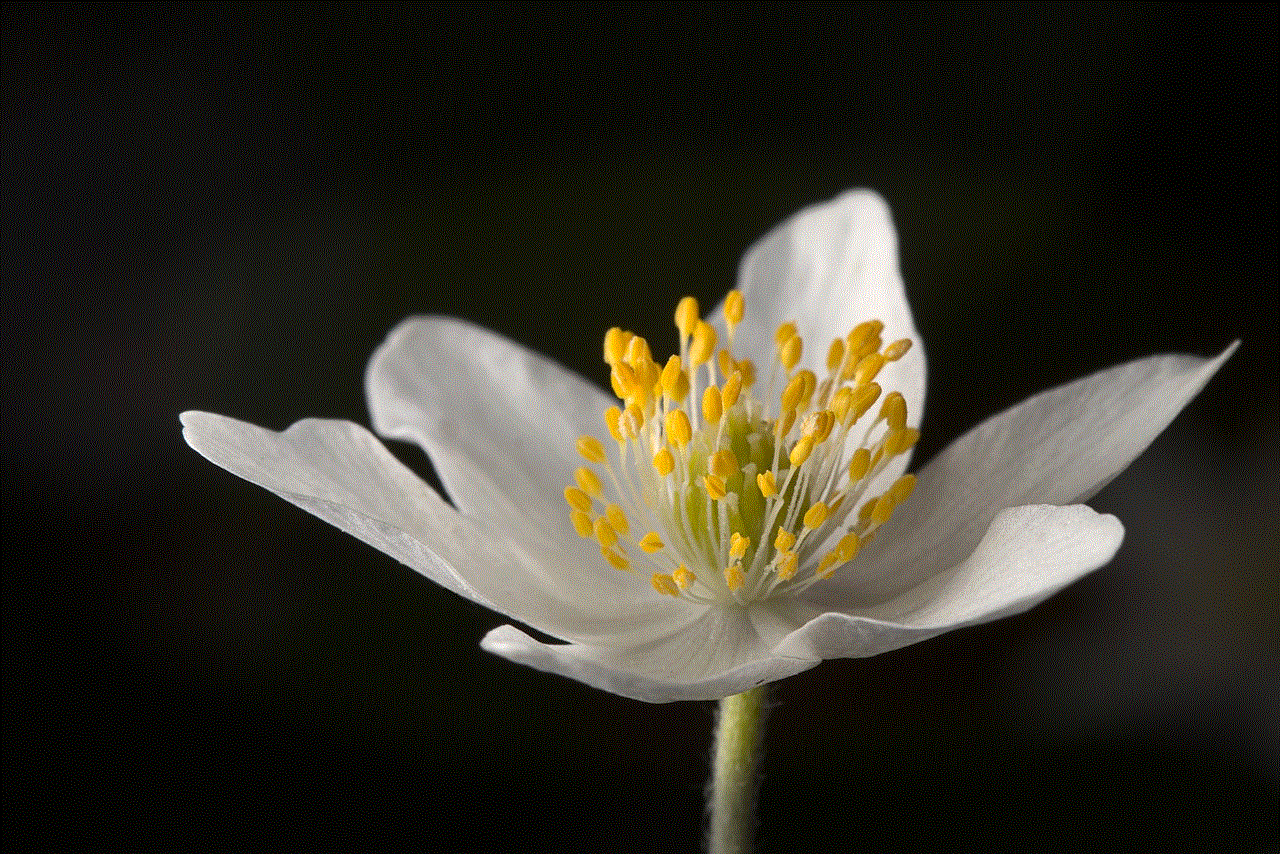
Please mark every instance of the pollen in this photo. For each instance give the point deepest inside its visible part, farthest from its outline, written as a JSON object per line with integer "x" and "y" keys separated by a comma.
{"x": 735, "y": 492}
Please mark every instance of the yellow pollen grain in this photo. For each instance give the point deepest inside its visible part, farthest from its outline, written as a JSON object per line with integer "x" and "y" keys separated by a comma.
{"x": 711, "y": 405}
{"x": 733, "y": 577}
{"x": 588, "y": 481}
{"x": 835, "y": 355}
{"x": 859, "y": 464}
{"x": 788, "y": 565}
{"x": 897, "y": 349}
{"x": 801, "y": 450}
{"x": 679, "y": 430}
{"x": 732, "y": 388}
{"x": 715, "y": 487}
{"x": 591, "y": 449}
{"x": 734, "y": 307}
{"x": 784, "y": 541}
{"x": 577, "y": 499}
{"x": 615, "y": 345}
{"x": 704, "y": 343}
{"x": 651, "y": 543}
{"x": 768, "y": 485}
{"x": 815, "y": 515}
{"x": 581, "y": 523}
{"x": 894, "y": 410}
{"x": 683, "y": 577}
{"x": 723, "y": 463}
{"x": 664, "y": 584}
{"x": 738, "y": 545}
{"x": 663, "y": 462}
{"x": 686, "y": 316}
{"x": 605, "y": 535}
{"x": 790, "y": 352}
{"x": 849, "y": 546}
{"x": 784, "y": 333}
{"x": 617, "y": 519}
{"x": 612, "y": 416}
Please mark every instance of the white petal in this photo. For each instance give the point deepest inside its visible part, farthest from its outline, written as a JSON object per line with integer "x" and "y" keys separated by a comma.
{"x": 500, "y": 422}
{"x": 1027, "y": 554}
{"x": 1058, "y": 447}
{"x": 341, "y": 473}
{"x": 726, "y": 651}
{"x": 828, "y": 268}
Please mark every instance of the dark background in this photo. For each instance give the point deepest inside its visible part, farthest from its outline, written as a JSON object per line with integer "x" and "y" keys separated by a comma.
{"x": 227, "y": 207}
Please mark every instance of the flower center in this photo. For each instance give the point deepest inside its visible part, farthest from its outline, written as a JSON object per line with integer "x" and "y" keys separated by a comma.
{"x": 733, "y": 497}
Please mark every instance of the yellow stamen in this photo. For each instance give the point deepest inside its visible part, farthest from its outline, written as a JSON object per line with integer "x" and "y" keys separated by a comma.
{"x": 882, "y": 510}
{"x": 724, "y": 361}
{"x": 747, "y": 368}
{"x": 738, "y": 545}
{"x": 686, "y": 316}
{"x": 588, "y": 481}
{"x": 671, "y": 376}
{"x": 827, "y": 565}
{"x": 617, "y": 519}
{"x": 591, "y": 449}
{"x": 723, "y": 463}
{"x": 732, "y": 388}
{"x": 788, "y": 565}
{"x": 665, "y": 584}
{"x": 704, "y": 343}
{"x": 894, "y": 410}
{"x": 615, "y": 345}
{"x": 733, "y": 577}
{"x": 663, "y": 462}
{"x": 715, "y": 487}
{"x": 679, "y": 430}
{"x": 577, "y": 499}
{"x": 835, "y": 355}
{"x": 902, "y": 489}
{"x": 651, "y": 543}
{"x": 897, "y": 349}
{"x": 581, "y": 523}
{"x": 612, "y": 416}
{"x": 604, "y": 532}
{"x": 734, "y": 306}
{"x": 768, "y": 485}
{"x": 789, "y": 353}
{"x": 801, "y": 450}
{"x": 683, "y": 577}
{"x": 815, "y": 515}
{"x": 848, "y": 547}
{"x": 711, "y": 409}
{"x": 616, "y": 560}
{"x": 784, "y": 541}
{"x": 791, "y": 395}
{"x": 784, "y": 333}
{"x": 863, "y": 399}
{"x": 859, "y": 464}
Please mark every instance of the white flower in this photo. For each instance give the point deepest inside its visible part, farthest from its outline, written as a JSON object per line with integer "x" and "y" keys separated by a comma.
{"x": 724, "y": 585}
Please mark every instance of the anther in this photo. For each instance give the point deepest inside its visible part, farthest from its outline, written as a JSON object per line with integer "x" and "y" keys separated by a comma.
{"x": 788, "y": 565}
{"x": 591, "y": 449}
{"x": 679, "y": 430}
{"x": 617, "y": 519}
{"x": 664, "y": 584}
{"x": 801, "y": 450}
{"x": 734, "y": 306}
{"x": 715, "y": 487}
{"x": 738, "y": 545}
{"x": 732, "y": 388}
{"x": 588, "y": 481}
{"x": 848, "y": 547}
{"x": 835, "y": 355}
{"x": 671, "y": 377}
{"x": 663, "y": 462}
{"x": 747, "y": 368}
{"x": 902, "y": 488}
{"x": 704, "y": 343}
{"x": 577, "y": 499}
{"x": 768, "y": 485}
{"x": 815, "y": 515}
{"x": 733, "y": 577}
{"x": 581, "y": 523}
{"x": 711, "y": 405}
{"x": 612, "y": 416}
{"x": 604, "y": 532}
{"x": 897, "y": 349}
{"x": 686, "y": 316}
{"x": 858, "y": 464}
{"x": 894, "y": 410}
{"x": 790, "y": 351}
{"x": 724, "y": 361}
{"x": 867, "y": 369}
{"x": 615, "y": 345}
{"x": 791, "y": 395}
{"x": 784, "y": 333}
{"x": 723, "y": 464}
{"x": 651, "y": 543}
{"x": 784, "y": 541}
{"x": 683, "y": 577}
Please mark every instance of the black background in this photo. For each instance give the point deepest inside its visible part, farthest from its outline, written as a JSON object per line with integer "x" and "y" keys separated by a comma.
{"x": 227, "y": 207}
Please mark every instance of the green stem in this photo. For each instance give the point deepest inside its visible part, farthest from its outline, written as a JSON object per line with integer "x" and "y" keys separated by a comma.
{"x": 739, "y": 732}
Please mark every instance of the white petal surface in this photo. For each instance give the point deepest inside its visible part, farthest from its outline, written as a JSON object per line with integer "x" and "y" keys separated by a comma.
{"x": 1058, "y": 447}
{"x": 1026, "y": 555}
{"x": 500, "y": 424}
{"x": 725, "y": 652}
{"x": 341, "y": 473}
{"x": 828, "y": 268}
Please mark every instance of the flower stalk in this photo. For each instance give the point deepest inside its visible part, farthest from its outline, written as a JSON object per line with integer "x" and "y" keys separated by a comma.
{"x": 739, "y": 737}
